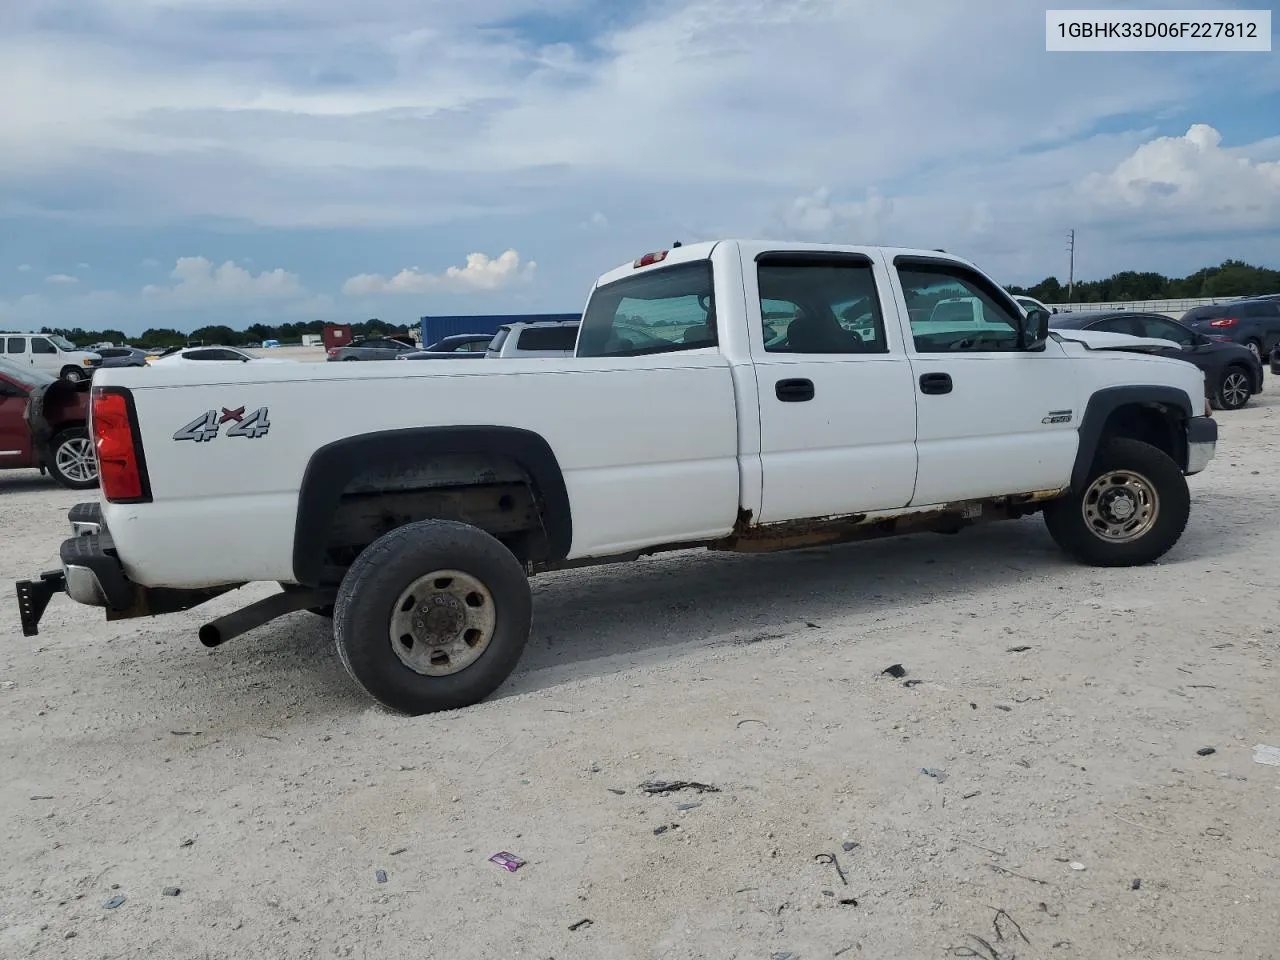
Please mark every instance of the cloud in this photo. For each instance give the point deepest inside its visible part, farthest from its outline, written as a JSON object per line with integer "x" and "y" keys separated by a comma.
{"x": 82, "y": 266}
{"x": 481, "y": 273}
{"x": 856, "y": 222}
{"x": 149, "y": 263}
{"x": 61, "y": 279}
{"x": 25, "y": 268}
{"x": 1186, "y": 177}
{"x": 198, "y": 282}
{"x": 597, "y": 221}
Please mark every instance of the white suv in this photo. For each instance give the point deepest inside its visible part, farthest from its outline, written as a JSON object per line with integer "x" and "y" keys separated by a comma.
{"x": 541, "y": 338}
{"x": 49, "y": 353}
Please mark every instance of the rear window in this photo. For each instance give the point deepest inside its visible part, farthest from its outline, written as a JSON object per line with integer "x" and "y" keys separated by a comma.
{"x": 547, "y": 338}
{"x": 1205, "y": 313}
{"x": 659, "y": 311}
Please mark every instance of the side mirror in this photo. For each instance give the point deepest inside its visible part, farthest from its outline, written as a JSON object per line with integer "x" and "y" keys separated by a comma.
{"x": 1035, "y": 329}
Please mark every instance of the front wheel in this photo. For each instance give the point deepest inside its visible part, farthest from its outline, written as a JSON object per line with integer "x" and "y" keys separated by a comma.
{"x": 72, "y": 462}
{"x": 73, "y": 374}
{"x": 1131, "y": 510}
{"x": 1235, "y": 387}
{"x": 432, "y": 616}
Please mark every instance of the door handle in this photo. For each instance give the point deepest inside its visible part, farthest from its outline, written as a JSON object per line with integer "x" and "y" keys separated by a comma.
{"x": 794, "y": 391}
{"x": 935, "y": 383}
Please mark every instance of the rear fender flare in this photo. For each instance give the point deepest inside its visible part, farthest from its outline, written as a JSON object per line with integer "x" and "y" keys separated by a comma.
{"x": 335, "y": 465}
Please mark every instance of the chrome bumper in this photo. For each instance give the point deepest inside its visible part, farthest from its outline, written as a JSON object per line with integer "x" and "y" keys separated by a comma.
{"x": 1202, "y": 443}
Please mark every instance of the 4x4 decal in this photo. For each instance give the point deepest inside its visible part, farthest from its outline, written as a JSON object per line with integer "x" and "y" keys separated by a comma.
{"x": 208, "y": 425}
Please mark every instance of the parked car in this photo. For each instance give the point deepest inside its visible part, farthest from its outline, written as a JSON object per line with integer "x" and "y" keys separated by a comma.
{"x": 463, "y": 346}
{"x": 416, "y": 505}
{"x": 49, "y": 353}
{"x": 1028, "y": 303}
{"x": 1232, "y": 373}
{"x": 124, "y": 357}
{"x": 1254, "y": 323}
{"x": 461, "y": 343}
{"x": 211, "y": 354}
{"x": 540, "y": 338}
{"x": 371, "y": 348}
{"x": 43, "y": 424}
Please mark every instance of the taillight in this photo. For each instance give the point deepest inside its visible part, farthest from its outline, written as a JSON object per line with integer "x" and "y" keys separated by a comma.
{"x": 122, "y": 471}
{"x": 333, "y": 352}
{"x": 1223, "y": 323}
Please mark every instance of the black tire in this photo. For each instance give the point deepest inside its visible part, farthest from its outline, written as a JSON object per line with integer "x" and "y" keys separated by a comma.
{"x": 1167, "y": 490}
{"x": 1234, "y": 388}
{"x": 78, "y": 470}
{"x": 324, "y": 611}
{"x": 73, "y": 375}
{"x": 370, "y": 592}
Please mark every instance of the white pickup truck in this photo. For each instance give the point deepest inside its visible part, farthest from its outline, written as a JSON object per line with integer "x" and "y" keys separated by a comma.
{"x": 731, "y": 395}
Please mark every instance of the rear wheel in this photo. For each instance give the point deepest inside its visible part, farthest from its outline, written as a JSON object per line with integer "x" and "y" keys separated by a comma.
{"x": 1234, "y": 389}
{"x": 1255, "y": 348}
{"x": 432, "y": 616}
{"x": 72, "y": 462}
{"x": 1131, "y": 509}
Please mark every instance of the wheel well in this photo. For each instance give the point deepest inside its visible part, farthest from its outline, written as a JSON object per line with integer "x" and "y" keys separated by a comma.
{"x": 490, "y": 491}
{"x": 1151, "y": 423}
{"x": 503, "y": 480}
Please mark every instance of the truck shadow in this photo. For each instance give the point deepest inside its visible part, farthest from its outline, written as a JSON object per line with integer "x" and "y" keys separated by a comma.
{"x": 600, "y": 621}
{"x": 597, "y": 622}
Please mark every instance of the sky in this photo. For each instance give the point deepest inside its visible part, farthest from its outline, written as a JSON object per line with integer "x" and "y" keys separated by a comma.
{"x": 182, "y": 162}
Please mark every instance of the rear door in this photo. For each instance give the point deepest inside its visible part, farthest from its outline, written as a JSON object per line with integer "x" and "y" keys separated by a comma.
{"x": 837, "y": 407}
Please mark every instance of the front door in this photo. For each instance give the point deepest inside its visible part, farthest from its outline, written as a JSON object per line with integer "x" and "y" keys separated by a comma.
{"x": 44, "y": 356}
{"x": 15, "y": 434}
{"x": 992, "y": 419}
{"x": 837, "y": 408}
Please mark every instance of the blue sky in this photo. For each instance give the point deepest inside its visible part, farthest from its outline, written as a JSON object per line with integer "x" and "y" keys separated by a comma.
{"x": 181, "y": 162}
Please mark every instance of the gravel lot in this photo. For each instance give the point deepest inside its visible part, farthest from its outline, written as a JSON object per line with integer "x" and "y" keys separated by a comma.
{"x": 260, "y": 781}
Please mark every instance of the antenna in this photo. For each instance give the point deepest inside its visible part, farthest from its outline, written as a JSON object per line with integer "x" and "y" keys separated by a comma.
{"x": 1071, "y": 267}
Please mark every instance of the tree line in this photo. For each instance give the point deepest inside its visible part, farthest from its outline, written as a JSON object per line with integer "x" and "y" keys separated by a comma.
{"x": 1234, "y": 278}
{"x": 223, "y": 335}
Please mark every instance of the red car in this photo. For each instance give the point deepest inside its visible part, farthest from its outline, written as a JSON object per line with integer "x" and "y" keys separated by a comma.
{"x": 44, "y": 424}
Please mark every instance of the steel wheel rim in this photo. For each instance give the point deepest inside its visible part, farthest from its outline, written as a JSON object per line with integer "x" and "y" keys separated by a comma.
{"x": 1121, "y": 506}
{"x": 1235, "y": 389}
{"x": 73, "y": 376}
{"x": 442, "y": 623}
{"x": 75, "y": 460}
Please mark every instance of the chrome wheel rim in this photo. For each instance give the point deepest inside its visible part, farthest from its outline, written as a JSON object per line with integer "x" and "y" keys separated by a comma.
{"x": 1121, "y": 506}
{"x": 75, "y": 461}
{"x": 73, "y": 376}
{"x": 1253, "y": 348}
{"x": 442, "y": 623}
{"x": 1235, "y": 389}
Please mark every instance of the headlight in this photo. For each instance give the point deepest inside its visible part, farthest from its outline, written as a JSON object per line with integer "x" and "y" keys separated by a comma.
{"x": 87, "y": 362}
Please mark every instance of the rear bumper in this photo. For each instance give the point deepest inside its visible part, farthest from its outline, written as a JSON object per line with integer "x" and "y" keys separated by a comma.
{"x": 89, "y": 572}
{"x": 1202, "y": 443}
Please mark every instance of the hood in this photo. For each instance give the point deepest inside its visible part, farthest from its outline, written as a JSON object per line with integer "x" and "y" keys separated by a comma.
{"x": 1101, "y": 340}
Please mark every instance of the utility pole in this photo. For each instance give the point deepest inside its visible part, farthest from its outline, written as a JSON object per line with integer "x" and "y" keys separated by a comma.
{"x": 1071, "y": 269}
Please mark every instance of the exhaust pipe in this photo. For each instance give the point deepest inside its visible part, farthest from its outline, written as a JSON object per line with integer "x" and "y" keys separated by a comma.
{"x": 217, "y": 632}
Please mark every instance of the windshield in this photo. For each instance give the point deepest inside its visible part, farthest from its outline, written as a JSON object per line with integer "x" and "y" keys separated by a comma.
{"x": 29, "y": 377}
{"x": 659, "y": 311}
{"x": 62, "y": 343}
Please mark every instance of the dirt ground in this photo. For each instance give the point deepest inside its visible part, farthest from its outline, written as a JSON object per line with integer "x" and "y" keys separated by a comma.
{"x": 260, "y": 782}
